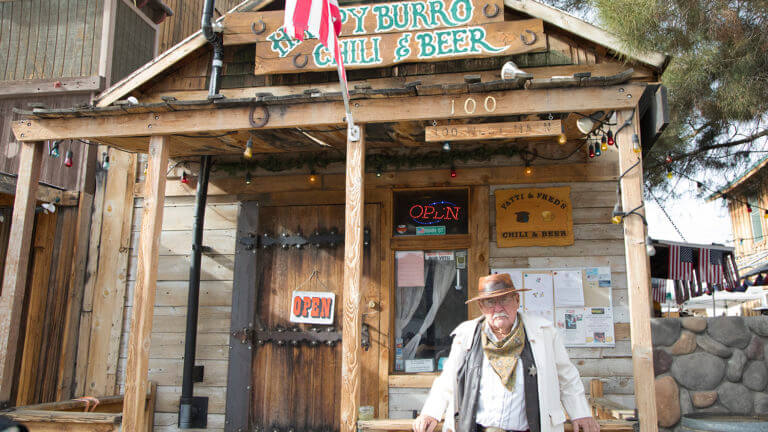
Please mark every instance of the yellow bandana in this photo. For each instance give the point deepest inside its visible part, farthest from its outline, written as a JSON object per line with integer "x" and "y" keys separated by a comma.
{"x": 504, "y": 354}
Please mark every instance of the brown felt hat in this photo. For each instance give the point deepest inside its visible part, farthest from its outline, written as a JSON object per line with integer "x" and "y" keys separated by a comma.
{"x": 495, "y": 285}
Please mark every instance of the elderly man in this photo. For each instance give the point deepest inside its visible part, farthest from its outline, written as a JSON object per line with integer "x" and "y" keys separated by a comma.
{"x": 506, "y": 372}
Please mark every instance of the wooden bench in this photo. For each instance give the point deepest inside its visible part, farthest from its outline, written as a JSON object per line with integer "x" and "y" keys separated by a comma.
{"x": 72, "y": 416}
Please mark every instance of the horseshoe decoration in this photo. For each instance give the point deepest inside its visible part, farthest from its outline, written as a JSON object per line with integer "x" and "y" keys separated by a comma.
{"x": 300, "y": 63}
{"x": 526, "y": 41}
{"x": 258, "y": 27}
{"x": 260, "y": 120}
{"x": 488, "y": 14}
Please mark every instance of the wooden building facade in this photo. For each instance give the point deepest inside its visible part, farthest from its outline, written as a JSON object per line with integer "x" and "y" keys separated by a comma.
{"x": 747, "y": 199}
{"x": 57, "y": 54}
{"x": 314, "y": 210}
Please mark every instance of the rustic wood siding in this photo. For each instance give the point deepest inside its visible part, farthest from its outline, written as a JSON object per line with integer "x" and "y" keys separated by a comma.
{"x": 597, "y": 242}
{"x": 134, "y": 41}
{"x": 744, "y": 223}
{"x": 43, "y": 39}
{"x": 186, "y": 18}
{"x": 53, "y": 171}
{"x": 167, "y": 349}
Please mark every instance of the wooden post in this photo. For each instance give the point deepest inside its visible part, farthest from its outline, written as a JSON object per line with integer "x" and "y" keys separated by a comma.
{"x": 353, "y": 275}
{"x": 144, "y": 292}
{"x": 638, "y": 272}
{"x": 17, "y": 261}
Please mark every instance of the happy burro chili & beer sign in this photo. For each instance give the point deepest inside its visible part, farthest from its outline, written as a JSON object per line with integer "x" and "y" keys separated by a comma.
{"x": 534, "y": 217}
{"x": 376, "y": 35}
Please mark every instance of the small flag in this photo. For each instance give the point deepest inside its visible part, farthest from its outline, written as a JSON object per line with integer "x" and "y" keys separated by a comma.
{"x": 321, "y": 19}
{"x": 711, "y": 266}
{"x": 680, "y": 263}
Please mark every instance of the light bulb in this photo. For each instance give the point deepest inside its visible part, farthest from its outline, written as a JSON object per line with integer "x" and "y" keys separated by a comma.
{"x": 453, "y": 172}
{"x": 616, "y": 219}
{"x": 749, "y": 208}
{"x": 105, "y": 163}
{"x": 447, "y": 146}
{"x": 248, "y": 152}
{"x": 313, "y": 177}
{"x": 591, "y": 151}
{"x": 378, "y": 172}
{"x": 765, "y": 216}
{"x": 669, "y": 174}
{"x": 184, "y": 178}
{"x": 598, "y": 152}
{"x": 649, "y": 249}
{"x": 636, "y": 144}
{"x": 248, "y": 178}
{"x": 562, "y": 139}
{"x": 603, "y": 143}
{"x": 610, "y": 138}
{"x": 68, "y": 159}
{"x": 528, "y": 169}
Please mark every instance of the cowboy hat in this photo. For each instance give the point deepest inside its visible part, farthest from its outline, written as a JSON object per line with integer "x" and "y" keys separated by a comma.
{"x": 495, "y": 285}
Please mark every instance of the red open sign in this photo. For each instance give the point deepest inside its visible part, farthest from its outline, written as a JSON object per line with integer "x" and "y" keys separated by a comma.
{"x": 312, "y": 307}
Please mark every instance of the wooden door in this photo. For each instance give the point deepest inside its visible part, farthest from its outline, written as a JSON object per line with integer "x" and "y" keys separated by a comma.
{"x": 299, "y": 387}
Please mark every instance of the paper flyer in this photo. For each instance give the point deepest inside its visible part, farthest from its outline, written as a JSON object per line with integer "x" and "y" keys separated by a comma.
{"x": 568, "y": 289}
{"x": 410, "y": 268}
{"x": 539, "y": 300}
{"x": 598, "y": 325}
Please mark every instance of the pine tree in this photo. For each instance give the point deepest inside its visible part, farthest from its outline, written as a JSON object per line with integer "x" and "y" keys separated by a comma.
{"x": 717, "y": 77}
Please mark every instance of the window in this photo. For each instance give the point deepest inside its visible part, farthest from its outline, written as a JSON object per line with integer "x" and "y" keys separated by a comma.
{"x": 756, "y": 218}
{"x": 431, "y": 291}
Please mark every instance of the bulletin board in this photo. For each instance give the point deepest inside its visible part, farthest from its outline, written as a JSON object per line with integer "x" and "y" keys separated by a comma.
{"x": 577, "y": 300}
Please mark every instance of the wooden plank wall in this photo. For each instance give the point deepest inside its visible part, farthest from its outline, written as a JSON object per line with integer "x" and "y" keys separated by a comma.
{"x": 49, "y": 38}
{"x": 185, "y": 20}
{"x": 597, "y": 243}
{"x": 741, "y": 221}
{"x": 167, "y": 349}
{"x": 53, "y": 171}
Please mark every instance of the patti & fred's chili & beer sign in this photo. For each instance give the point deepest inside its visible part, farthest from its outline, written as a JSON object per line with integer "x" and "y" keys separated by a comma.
{"x": 534, "y": 217}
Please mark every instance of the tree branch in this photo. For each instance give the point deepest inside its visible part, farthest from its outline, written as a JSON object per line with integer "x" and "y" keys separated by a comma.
{"x": 714, "y": 147}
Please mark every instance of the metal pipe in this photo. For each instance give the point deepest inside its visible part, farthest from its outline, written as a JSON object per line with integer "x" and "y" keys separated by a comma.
{"x": 193, "y": 298}
{"x": 217, "y": 42}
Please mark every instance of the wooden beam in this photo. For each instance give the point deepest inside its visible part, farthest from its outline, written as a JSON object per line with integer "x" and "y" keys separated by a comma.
{"x": 479, "y": 227}
{"x": 583, "y": 172}
{"x": 638, "y": 272}
{"x": 44, "y": 193}
{"x": 353, "y": 274}
{"x": 112, "y": 274}
{"x": 240, "y": 371}
{"x": 409, "y": 108}
{"x": 473, "y": 132}
{"x": 51, "y": 87}
{"x": 596, "y": 70}
{"x": 144, "y": 291}
{"x": 16, "y": 263}
{"x": 77, "y": 271}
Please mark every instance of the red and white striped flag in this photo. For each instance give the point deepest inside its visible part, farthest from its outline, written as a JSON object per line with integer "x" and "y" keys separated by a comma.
{"x": 322, "y": 19}
{"x": 659, "y": 290}
{"x": 711, "y": 266}
{"x": 680, "y": 263}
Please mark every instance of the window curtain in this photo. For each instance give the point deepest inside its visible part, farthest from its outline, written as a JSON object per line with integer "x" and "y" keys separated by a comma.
{"x": 408, "y": 299}
{"x": 444, "y": 275}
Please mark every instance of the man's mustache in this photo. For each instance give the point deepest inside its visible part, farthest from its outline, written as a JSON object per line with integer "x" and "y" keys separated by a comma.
{"x": 500, "y": 315}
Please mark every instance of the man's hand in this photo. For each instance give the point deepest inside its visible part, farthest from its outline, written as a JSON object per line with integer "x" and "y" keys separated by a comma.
{"x": 424, "y": 423}
{"x": 584, "y": 424}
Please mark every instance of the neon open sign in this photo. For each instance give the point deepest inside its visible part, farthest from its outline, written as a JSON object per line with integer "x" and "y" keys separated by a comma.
{"x": 434, "y": 212}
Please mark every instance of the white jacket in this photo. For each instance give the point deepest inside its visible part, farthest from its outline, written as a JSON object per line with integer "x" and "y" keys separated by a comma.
{"x": 559, "y": 382}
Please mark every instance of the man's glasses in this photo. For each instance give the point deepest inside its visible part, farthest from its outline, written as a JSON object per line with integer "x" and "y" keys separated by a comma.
{"x": 497, "y": 301}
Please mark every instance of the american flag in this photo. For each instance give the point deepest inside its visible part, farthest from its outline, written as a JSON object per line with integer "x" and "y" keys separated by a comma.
{"x": 322, "y": 19}
{"x": 711, "y": 266}
{"x": 658, "y": 289}
{"x": 680, "y": 263}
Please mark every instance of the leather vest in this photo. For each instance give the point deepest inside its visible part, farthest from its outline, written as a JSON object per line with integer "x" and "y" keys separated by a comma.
{"x": 468, "y": 386}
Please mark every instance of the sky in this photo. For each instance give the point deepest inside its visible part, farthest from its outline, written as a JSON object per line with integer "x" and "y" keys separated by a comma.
{"x": 699, "y": 221}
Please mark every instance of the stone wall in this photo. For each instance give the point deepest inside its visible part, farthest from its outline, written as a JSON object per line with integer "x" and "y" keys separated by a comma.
{"x": 714, "y": 365}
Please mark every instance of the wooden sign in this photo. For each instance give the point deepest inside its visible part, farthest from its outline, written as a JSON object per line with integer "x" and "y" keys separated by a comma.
{"x": 252, "y": 27}
{"x": 469, "y": 132}
{"x": 534, "y": 217}
{"x": 312, "y": 307}
{"x": 282, "y": 54}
